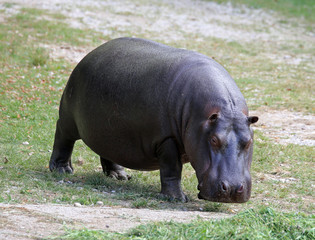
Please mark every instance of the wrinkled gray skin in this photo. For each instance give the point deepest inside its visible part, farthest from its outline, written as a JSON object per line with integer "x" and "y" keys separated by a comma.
{"x": 147, "y": 106}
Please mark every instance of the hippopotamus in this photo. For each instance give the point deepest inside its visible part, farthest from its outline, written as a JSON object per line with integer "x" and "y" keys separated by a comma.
{"x": 143, "y": 105}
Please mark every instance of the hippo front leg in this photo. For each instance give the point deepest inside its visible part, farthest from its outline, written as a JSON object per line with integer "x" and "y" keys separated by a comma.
{"x": 170, "y": 171}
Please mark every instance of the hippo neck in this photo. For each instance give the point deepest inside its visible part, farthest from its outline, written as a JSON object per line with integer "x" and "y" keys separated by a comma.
{"x": 199, "y": 87}
{"x": 222, "y": 96}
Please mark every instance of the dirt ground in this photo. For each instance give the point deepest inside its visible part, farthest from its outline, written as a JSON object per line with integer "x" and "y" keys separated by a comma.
{"x": 286, "y": 127}
{"x": 174, "y": 19}
{"x": 28, "y": 221}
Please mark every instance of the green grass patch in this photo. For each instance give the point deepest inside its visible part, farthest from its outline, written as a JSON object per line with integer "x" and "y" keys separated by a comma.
{"x": 290, "y": 8}
{"x": 30, "y": 22}
{"x": 282, "y": 173}
{"x": 8, "y": 4}
{"x": 39, "y": 57}
{"x": 264, "y": 223}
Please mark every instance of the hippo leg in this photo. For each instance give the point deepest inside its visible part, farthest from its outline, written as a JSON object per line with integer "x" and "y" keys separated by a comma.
{"x": 61, "y": 156}
{"x": 171, "y": 171}
{"x": 114, "y": 170}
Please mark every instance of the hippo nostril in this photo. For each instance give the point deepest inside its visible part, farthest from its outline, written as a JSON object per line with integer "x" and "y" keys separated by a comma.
{"x": 224, "y": 187}
{"x": 240, "y": 189}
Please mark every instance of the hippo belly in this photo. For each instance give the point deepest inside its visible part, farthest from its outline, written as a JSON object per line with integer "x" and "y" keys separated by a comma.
{"x": 141, "y": 105}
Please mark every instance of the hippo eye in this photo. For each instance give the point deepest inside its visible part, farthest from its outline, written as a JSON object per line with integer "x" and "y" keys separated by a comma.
{"x": 214, "y": 141}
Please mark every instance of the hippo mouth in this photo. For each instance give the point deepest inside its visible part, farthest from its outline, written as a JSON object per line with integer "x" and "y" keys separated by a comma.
{"x": 225, "y": 199}
{"x": 225, "y": 192}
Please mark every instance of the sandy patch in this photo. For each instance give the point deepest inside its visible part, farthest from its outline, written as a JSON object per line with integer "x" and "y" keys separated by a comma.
{"x": 286, "y": 127}
{"x": 27, "y": 221}
{"x": 173, "y": 20}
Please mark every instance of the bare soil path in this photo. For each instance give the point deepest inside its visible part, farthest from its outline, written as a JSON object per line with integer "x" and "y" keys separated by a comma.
{"x": 286, "y": 127}
{"x": 25, "y": 221}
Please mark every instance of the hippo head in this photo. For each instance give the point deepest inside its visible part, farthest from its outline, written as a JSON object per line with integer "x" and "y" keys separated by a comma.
{"x": 223, "y": 157}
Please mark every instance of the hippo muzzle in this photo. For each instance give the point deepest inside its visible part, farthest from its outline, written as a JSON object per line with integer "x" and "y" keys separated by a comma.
{"x": 226, "y": 192}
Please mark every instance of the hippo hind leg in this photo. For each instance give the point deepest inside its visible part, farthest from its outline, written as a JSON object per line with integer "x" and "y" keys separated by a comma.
{"x": 114, "y": 170}
{"x": 61, "y": 156}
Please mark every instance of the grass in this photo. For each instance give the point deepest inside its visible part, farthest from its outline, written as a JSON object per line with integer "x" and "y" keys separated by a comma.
{"x": 264, "y": 223}
{"x": 290, "y": 8}
{"x": 30, "y": 90}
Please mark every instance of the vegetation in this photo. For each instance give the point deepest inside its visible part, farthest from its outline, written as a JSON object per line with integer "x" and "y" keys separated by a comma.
{"x": 250, "y": 224}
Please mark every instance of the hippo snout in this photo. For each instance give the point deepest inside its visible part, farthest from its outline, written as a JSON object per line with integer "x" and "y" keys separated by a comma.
{"x": 227, "y": 189}
{"x": 226, "y": 192}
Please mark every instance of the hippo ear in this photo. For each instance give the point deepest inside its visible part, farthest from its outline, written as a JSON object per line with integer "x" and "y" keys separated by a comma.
{"x": 213, "y": 117}
{"x": 252, "y": 119}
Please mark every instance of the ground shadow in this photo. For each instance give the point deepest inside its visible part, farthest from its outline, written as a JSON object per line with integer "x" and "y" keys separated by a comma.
{"x": 133, "y": 193}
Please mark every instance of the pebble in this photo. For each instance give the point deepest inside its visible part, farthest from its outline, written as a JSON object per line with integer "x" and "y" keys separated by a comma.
{"x": 99, "y": 203}
{"x": 76, "y": 204}
{"x": 25, "y": 143}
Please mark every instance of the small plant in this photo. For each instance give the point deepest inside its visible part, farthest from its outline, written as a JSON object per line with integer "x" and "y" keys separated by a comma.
{"x": 214, "y": 207}
{"x": 39, "y": 57}
{"x": 8, "y": 5}
{"x": 140, "y": 203}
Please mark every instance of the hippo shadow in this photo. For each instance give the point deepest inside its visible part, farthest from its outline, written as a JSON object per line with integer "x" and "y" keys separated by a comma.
{"x": 141, "y": 191}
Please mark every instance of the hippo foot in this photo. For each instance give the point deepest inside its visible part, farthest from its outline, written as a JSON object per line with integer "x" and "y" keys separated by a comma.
{"x": 60, "y": 169}
{"x": 66, "y": 169}
{"x": 114, "y": 170}
{"x": 180, "y": 197}
{"x": 118, "y": 174}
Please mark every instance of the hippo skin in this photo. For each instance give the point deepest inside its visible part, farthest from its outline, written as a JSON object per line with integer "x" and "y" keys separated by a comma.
{"x": 147, "y": 106}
